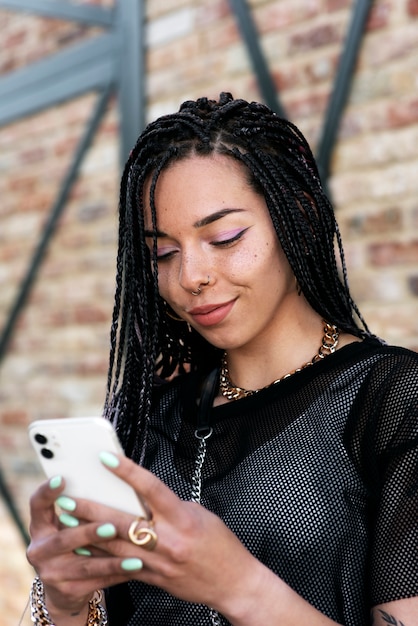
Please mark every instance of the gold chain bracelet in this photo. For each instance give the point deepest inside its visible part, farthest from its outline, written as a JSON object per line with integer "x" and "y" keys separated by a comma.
{"x": 97, "y": 615}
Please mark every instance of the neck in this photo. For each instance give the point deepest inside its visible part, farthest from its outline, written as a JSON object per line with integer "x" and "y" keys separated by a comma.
{"x": 328, "y": 345}
{"x": 292, "y": 343}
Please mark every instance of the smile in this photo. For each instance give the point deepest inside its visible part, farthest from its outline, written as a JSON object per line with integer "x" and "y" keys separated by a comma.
{"x": 211, "y": 314}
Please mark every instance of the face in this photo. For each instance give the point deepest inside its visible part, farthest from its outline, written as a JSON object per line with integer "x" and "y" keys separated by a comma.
{"x": 212, "y": 225}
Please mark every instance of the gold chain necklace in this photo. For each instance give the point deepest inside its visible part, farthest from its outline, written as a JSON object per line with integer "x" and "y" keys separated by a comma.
{"x": 328, "y": 346}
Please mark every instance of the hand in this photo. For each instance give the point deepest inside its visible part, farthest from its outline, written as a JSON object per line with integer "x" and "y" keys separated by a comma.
{"x": 197, "y": 558}
{"x": 69, "y": 579}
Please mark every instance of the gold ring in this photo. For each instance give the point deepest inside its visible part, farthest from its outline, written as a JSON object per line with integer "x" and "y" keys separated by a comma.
{"x": 144, "y": 536}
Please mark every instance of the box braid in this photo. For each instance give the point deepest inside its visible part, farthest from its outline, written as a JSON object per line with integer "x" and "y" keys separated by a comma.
{"x": 147, "y": 344}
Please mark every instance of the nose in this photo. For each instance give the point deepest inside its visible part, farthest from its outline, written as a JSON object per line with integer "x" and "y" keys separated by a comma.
{"x": 194, "y": 272}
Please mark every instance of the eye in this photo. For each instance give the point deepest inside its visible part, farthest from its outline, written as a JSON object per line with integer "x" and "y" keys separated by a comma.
{"x": 230, "y": 237}
{"x": 165, "y": 252}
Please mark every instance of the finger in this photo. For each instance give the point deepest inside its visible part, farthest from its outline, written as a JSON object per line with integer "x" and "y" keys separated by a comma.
{"x": 86, "y": 574}
{"x": 100, "y": 564}
{"x": 42, "y": 505}
{"x": 65, "y": 541}
{"x": 91, "y": 511}
{"x": 150, "y": 488}
{"x": 111, "y": 537}
{"x": 82, "y": 511}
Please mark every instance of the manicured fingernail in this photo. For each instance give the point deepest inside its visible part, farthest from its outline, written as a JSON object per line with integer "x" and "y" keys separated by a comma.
{"x": 130, "y": 565}
{"x": 82, "y": 551}
{"x": 66, "y": 503}
{"x": 68, "y": 520}
{"x": 109, "y": 459}
{"x": 55, "y": 482}
{"x": 106, "y": 530}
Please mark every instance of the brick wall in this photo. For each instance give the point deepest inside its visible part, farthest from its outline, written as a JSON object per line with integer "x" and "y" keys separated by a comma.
{"x": 57, "y": 362}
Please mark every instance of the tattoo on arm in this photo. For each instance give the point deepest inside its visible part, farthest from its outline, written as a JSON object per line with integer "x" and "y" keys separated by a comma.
{"x": 387, "y": 619}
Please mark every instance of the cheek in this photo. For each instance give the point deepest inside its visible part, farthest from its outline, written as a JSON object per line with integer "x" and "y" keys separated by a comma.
{"x": 168, "y": 286}
{"x": 164, "y": 283}
{"x": 263, "y": 258}
{"x": 255, "y": 253}
{"x": 272, "y": 265}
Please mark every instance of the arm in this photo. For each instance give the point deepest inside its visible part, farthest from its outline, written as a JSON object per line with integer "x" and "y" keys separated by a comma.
{"x": 199, "y": 559}
{"x": 398, "y": 613}
{"x": 392, "y": 469}
{"x": 41, "y": 615}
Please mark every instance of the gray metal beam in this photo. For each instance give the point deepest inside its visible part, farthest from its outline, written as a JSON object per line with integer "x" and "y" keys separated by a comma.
{"x": 88, "y": 66}
{"x": 86, "y": 14}
{"x": 342, "y": 85}
{"x": 52, "y": 221}
{"x": 251, "y": 38}
{"x": 130, "y": 30}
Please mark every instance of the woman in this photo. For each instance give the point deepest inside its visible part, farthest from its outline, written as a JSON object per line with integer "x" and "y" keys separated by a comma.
{"x": 280, "y": 435}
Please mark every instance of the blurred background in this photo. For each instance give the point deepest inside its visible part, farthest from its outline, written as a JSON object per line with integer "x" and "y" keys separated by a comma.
{"x": 78, "y": 81}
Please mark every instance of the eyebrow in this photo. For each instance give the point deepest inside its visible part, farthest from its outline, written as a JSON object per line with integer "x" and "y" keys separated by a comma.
{"x": 205, "y": 221}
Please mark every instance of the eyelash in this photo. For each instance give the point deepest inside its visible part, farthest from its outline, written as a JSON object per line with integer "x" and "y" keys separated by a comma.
{"x": 165, "y": 257}
{"x": 224, "y": 243}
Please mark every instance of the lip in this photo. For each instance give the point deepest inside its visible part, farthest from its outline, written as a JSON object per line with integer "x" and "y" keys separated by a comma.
{"x": 211, "y": 314}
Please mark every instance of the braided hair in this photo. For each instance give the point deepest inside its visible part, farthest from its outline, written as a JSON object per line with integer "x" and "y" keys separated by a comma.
{"x": 145, "y": 339}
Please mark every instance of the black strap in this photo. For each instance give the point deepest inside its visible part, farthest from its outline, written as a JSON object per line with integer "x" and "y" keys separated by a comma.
{"x": 209, "y": 388}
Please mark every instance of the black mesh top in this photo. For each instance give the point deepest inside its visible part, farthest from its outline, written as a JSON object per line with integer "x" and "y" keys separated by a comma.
{"x": 317, "y": 476}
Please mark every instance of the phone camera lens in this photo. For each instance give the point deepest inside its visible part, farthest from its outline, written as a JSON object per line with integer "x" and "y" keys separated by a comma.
{"x": 47, "y": 453}
{"x": 40, "y": 438}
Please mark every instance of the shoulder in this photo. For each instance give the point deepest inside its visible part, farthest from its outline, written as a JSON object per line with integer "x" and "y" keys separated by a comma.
{"x": 385, "y": 407}
{"x": 371, "y": 368}
{"x": 377, "y": 384}
{"x": 393, "y": 368}
{"x": 389, "y": 370}
{"x": 378, "y": 347}
{"x": 376, "y": 357}
{"x": 397, "y": 354}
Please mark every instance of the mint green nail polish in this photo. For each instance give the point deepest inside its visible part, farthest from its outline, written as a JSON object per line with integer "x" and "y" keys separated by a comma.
{"x": 55, "y": 482}
{"x": 68, "y": 520}
{"x": 109, "y": 459}
{"x": 82, "y": 552}
{"x": 66, "y": 503}
{"x": 130, "y": 565}
{"x": 106, "y": 530}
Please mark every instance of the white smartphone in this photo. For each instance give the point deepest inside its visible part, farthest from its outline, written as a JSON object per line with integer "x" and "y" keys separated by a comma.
{"x": 70, "y": 447}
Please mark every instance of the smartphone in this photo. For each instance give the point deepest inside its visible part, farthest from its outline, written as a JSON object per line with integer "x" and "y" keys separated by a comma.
{"x": 70, "y": 447}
